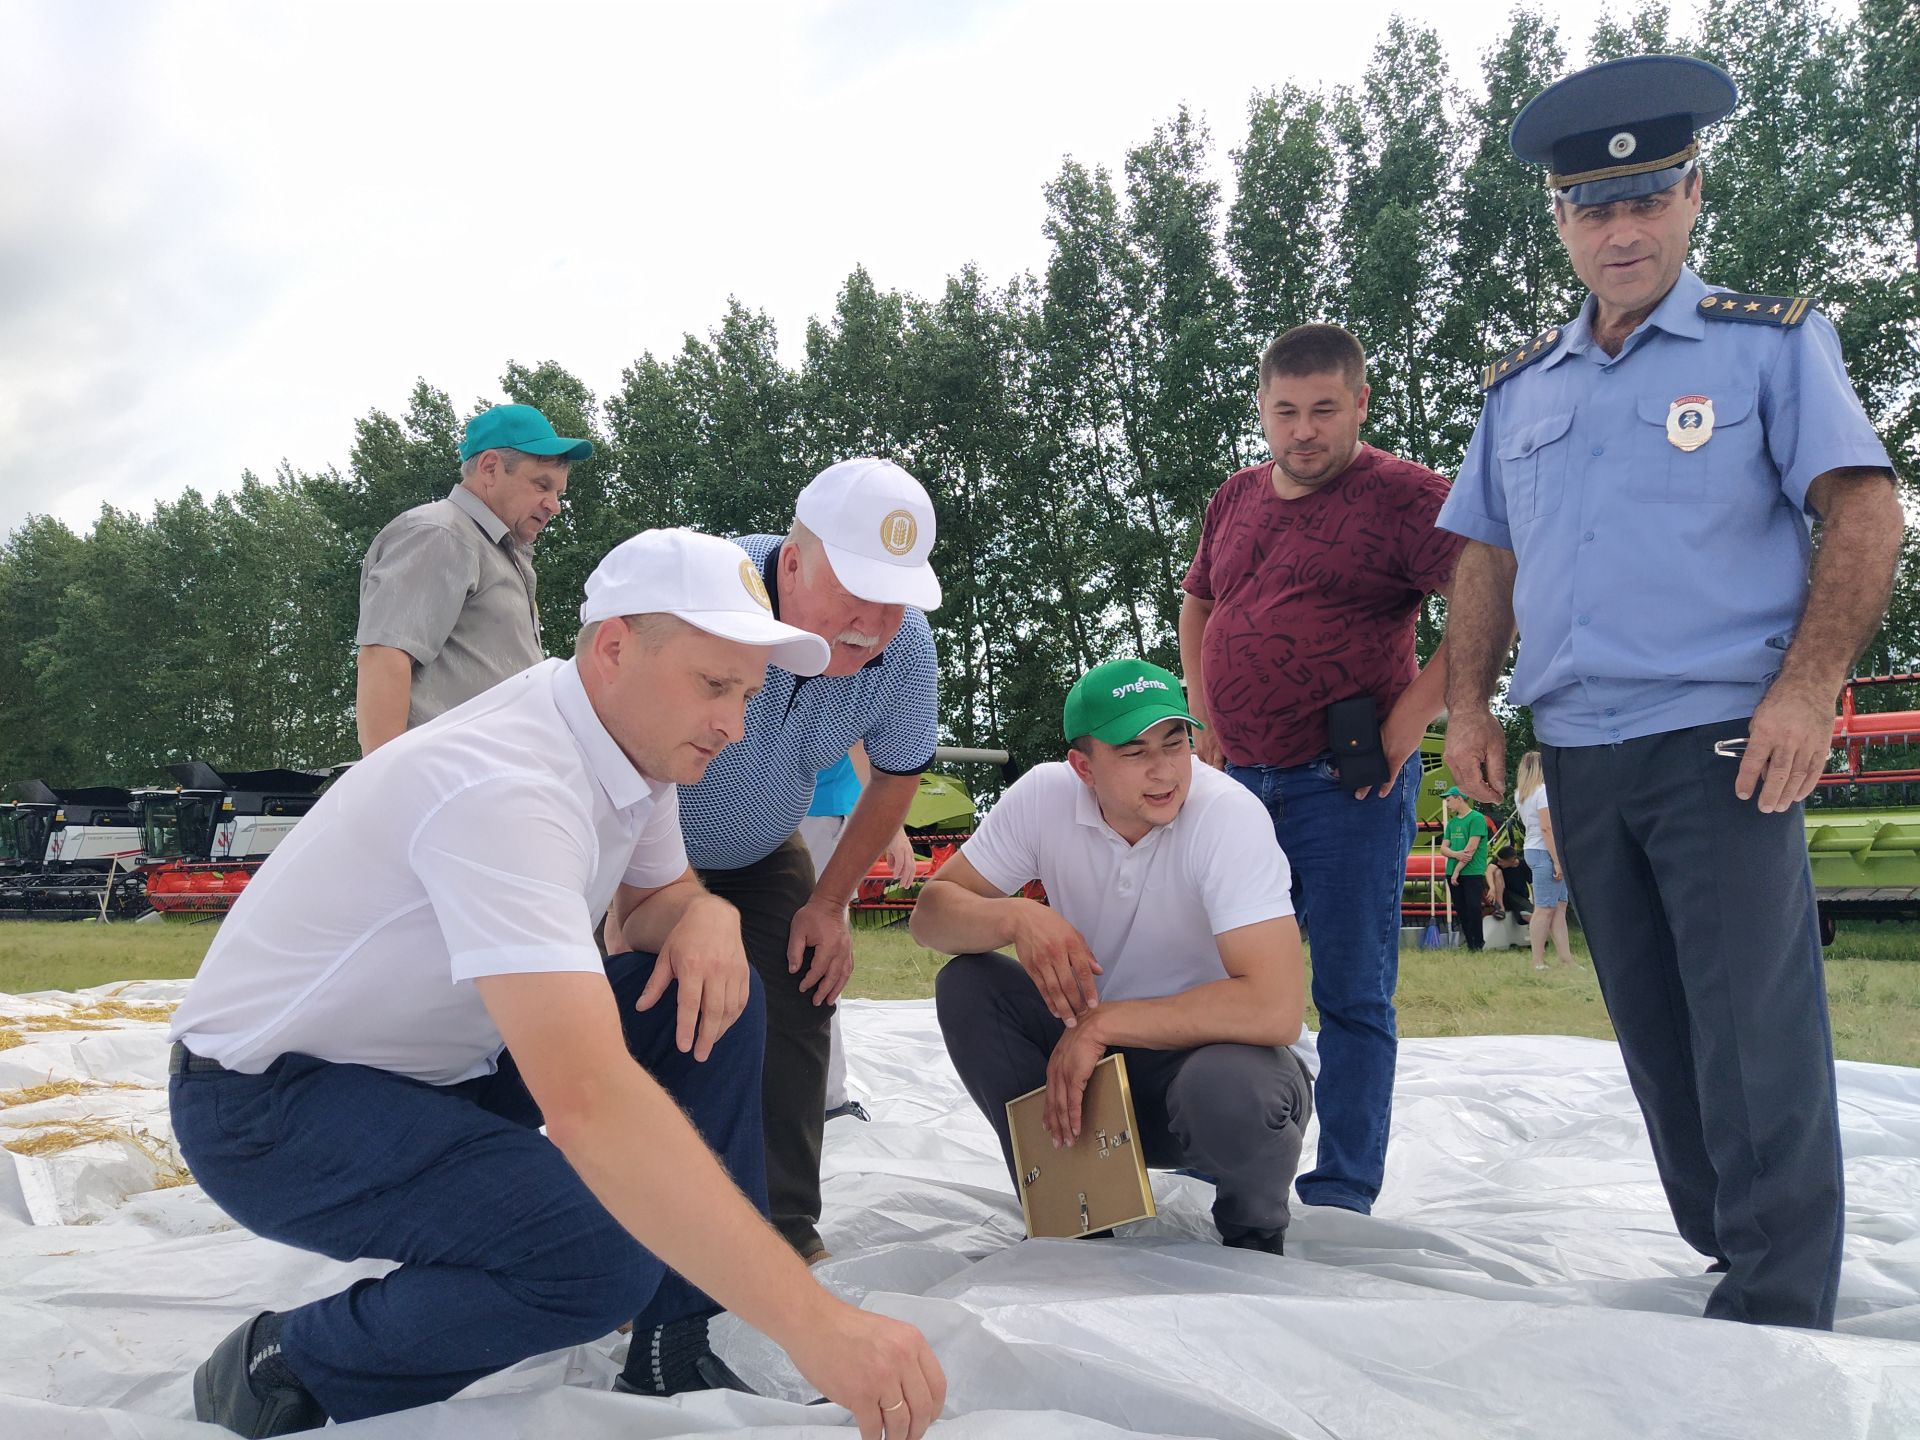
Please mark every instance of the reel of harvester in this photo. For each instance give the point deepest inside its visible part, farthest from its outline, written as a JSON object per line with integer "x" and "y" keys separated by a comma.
{"x": 1863, "y": 821}
{"x": 203, "y": 838}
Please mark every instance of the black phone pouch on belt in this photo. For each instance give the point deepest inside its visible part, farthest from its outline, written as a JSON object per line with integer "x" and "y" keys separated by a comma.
{"x": 1353, "y": 734}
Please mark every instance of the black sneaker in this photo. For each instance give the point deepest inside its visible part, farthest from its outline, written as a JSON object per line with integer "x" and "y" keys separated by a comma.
{"x": 714, "y": 1373}
{"x": 673, "y": 1359}
{"x": 852, "y": 1107}
{"x": 223, "y": 1395}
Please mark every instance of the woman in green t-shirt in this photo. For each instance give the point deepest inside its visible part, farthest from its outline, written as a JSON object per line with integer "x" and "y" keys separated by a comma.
{"x": 1466, "y": 847}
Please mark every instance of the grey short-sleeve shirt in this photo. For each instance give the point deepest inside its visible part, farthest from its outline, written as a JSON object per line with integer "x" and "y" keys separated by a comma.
{"x": 447, "y": 583}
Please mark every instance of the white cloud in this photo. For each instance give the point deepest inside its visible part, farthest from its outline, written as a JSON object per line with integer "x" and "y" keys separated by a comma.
{"x": 227, "y": 230}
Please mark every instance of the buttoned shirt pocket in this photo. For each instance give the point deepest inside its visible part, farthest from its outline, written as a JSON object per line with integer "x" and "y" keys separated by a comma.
{"x": 1533, "y": 467}
{"x": 1663, "y": 473}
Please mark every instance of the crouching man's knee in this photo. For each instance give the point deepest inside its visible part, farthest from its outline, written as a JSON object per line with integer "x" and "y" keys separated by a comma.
{"x": 1233, "y": 1095}
{"x": 589, "y": 1284}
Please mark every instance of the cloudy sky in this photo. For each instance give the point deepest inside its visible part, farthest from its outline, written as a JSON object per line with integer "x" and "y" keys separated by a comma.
{"x": 226, "y": 230}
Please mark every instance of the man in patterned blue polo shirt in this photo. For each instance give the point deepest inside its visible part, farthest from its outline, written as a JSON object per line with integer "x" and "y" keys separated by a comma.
{"x": 1640, "y": 496}
{"x": 854, "y": 571}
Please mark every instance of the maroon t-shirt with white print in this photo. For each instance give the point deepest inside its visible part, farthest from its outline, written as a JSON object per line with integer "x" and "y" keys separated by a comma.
{"x": 1314, "y": 600}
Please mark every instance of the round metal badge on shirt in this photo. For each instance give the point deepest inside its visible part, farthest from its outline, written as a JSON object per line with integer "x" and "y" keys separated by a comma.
{"x": 1690, "y": 421}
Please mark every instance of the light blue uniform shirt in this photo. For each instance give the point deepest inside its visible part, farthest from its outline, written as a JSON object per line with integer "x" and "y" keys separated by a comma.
{"x": 1658, "y": 588}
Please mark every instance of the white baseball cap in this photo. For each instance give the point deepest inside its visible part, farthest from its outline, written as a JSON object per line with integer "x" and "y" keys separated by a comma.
{"x": 876, "y": 523}
{"x": 710, "y": 583}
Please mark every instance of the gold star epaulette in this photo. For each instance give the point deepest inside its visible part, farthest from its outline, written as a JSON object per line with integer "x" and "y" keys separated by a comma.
{"x": 1506, "y": 363}
{"x": 1756, "y": 309}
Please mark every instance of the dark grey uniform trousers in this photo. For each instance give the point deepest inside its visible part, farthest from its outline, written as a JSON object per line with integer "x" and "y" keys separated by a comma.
{"x": 1699, "y": 911}
{"x": 1234, "y": 1112}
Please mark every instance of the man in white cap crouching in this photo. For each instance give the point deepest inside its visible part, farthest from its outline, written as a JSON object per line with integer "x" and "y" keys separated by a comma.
{"x": 409, "y": 989}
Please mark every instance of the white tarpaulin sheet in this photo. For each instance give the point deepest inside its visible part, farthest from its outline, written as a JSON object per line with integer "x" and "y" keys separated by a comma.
{"x": 1520, "y": 1278}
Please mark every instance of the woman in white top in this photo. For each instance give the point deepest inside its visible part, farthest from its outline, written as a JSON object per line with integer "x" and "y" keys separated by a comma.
{"x": 1543, "y": 858}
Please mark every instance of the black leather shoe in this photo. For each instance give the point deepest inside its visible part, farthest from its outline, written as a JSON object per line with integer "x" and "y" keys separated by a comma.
{"x": 852, "y": 1107}
{"x": 1273, "y": 1244}
{"x": 222, "y": 1395}
{"x": 713, "y": 1372}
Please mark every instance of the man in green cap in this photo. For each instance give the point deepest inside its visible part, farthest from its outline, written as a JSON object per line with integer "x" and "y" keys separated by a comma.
{"x": 447, "y": 588}
{"x": 1168, "y": 935}
{"x": 1465, "y": 846}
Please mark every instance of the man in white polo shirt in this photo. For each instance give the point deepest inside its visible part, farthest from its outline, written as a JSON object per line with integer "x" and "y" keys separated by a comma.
{"x": 409, "y": 989}
{"x": 1168, "y": 935}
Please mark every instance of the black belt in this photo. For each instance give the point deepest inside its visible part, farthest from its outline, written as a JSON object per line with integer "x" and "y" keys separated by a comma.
{"x": 183, "y": 1061}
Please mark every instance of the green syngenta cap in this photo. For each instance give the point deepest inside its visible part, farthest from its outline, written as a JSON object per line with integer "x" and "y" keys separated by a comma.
{"x": 522, "y": 428}
{"x": 1123, "y": 699}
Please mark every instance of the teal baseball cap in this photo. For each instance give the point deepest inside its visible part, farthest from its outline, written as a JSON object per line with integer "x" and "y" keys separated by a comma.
{"x": 522, "y": 428}
{"x": 1123, "y": 699}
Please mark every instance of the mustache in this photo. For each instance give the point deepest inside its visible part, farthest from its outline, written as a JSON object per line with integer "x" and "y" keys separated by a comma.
{"x": 857, "y": 639}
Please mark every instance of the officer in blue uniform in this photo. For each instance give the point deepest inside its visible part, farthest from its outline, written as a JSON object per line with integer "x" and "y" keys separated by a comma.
{"x": 1640, "y": 495}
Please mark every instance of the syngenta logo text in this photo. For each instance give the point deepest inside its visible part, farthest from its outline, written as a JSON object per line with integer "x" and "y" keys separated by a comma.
{"x": 1139, "y": 687}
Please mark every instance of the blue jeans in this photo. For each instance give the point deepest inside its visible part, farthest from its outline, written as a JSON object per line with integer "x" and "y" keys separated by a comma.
{"x": 504, "y": 1251}
{"x": 1349, "y": 860}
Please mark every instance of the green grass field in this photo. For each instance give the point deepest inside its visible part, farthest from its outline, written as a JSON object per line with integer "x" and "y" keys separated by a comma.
{"x": 1873, "y": 980}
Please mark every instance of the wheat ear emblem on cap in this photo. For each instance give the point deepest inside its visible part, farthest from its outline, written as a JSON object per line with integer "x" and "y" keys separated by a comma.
{"x": 756, "y": 587}
{"x": 898, "y": 532}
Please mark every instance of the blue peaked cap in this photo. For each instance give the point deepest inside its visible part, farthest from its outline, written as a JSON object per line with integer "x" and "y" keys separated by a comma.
{"x": 1623, "y": 128}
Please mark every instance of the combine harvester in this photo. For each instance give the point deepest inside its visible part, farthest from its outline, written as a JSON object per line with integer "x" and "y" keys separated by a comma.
{"x": 100, "y": 852}
{"x": 203, "y": 839}
{"x": 69, "y": 854}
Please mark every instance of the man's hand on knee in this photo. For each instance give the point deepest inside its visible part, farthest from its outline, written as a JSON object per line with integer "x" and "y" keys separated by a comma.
{"x": 1068, "y": 1072}
{"x": 1056, "y": 957}
{"x": 704, "y": 953}
{"x": 821, "y": 926}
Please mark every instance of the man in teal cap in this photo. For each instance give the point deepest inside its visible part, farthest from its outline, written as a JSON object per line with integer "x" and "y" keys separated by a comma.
{"x": 447, "y": 588}
{"x": 1168, "y": 935}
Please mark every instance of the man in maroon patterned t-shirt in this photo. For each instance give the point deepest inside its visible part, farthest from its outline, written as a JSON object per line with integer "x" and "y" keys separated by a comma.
{"x": 1310, "y": 574}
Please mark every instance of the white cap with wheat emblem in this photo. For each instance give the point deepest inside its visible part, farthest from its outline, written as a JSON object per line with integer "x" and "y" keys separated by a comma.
{"x": 876, "y": 523}
{"x": 708, "y": 582}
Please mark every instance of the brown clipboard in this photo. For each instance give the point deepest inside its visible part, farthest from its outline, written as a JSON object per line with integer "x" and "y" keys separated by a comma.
{"x": 1095, "y": 1183}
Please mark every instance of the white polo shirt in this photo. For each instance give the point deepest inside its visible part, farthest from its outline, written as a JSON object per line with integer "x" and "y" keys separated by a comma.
{"x": 1148, "y": 911}
{"x": 486, "y": 842}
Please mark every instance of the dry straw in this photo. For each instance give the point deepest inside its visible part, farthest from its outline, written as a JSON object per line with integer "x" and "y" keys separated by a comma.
{"x": 53, "y": 1089}
{"x": 98, "y": 1016}
{"x": 123, "y": 1010}
{"x": 55, "y": 1137}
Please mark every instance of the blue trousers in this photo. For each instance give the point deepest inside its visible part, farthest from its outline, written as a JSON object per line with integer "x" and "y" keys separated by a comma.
{"x": 504, "y": 1252}
{"x": 1705, "y": 936}
{"x": 1349, "y": 861}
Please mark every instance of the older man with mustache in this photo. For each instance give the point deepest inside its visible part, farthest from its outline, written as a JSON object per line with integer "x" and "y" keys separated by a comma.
{"x": 853, "y": 570}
